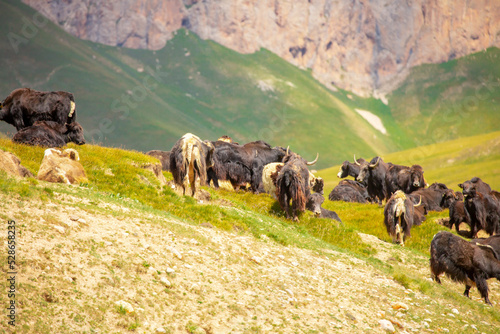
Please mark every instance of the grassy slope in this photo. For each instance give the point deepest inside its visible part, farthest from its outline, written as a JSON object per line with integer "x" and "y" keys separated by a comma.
{"x": 459, "y": 98}
{"x": 145, "y": 100}
{"x": 450, "y": 162}
{"x": 114, "y": 176}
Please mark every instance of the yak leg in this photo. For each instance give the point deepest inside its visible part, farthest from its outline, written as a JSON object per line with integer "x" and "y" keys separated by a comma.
{"x": 482, "y": 286}
{"x": 467, "y": 289}
{"x": 192, "y": 183}
{"x": 287, "y": 207}
{"x": 399, "y": 235}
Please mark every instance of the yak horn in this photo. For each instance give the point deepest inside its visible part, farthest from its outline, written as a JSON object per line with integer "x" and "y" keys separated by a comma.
{"x": 376, "y": 164}
{"x": 287, "y": 148}
{"x": 314, "y": 161}
{"x": 356, "y": 161}
{"x": 418, "y": 202}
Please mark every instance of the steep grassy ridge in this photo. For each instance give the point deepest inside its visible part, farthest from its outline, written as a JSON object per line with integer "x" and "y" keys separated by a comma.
{"x": 145, "y": 100}
{"x": 459, "y": 98}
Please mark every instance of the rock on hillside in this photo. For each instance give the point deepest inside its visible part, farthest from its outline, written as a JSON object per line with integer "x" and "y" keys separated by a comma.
{"x": 363, "y": 46}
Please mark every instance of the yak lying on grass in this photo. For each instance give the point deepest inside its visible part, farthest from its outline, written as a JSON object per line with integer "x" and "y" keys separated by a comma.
{"x": 464, "y": 262}
{"x": 350, "y": 191}
{"x": 313, "y": 204}
{"x": 50, "y": 134}
{"x": 350, "y": 168}
{"x": 163, "y": 156}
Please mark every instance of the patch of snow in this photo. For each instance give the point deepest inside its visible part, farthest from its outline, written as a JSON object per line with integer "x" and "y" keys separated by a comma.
{"x": 265, "y": 86}
{"x": 374, "y": 120}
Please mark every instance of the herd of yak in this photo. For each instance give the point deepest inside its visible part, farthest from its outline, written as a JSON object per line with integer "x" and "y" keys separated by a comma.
{"x": 48, "y": 119}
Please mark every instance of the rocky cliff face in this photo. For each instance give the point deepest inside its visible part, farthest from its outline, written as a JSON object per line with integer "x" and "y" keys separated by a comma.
{"x": 360, "y": 45}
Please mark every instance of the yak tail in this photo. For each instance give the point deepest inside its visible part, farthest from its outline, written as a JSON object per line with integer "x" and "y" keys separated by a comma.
{"x": 192, "y": 162}
{"x": 199, "y": 164}
{"x": 288, "y": 187}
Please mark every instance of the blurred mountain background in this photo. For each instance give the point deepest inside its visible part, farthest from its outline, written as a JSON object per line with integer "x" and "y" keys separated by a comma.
{"x": 334, "y": 77}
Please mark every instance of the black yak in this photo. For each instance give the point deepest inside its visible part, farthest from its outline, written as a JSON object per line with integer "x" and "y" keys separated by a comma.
{"x": 292, "y": 184}
{"x": 163, "y": 156}
{"x": 483, "y": 209}
{"x": 50, "y": 134}
{"x": 24, "y": 106}
{"x": 313, "y": 204}
{"x": 464, "y": 262}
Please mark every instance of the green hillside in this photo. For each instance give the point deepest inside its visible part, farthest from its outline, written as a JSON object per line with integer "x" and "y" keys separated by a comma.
{"x": 459, "y": 98}
{"x": 146, "y": 100}
{"x": 450, "y": 162}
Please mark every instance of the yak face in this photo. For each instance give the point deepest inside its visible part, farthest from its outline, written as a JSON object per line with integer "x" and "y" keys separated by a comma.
{"x": 449, "y": 197}
{"x": 314, "y": 202}
{"x": 417, "y": 176}
{"x": 363, "y": 171}
{"x": 75, "y": 133}
{"x": 366, "y": 168}
{"x": 469, "y": 189}
{"x": 344, "y": 170}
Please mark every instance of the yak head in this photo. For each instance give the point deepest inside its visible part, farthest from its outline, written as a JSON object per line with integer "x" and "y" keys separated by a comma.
{"x": 314, "y": 202}
{"x": 448, "y": 198}
{"x": 417, "y": 176}
{"x": 469, "y": 189}
{"x": 74, "y": 133}
{"x": 364, "y": 169}
{"x": 289, "y": 156}
{"x": 348, "y": 167}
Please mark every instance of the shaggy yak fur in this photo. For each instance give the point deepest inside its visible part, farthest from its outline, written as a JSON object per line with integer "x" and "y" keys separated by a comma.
{"x": 406, "y": 179}
{"x": 292, "y": 184}
{"x": 24, "y": 106}
{"x": 464, "y": 262}
{"x": 399, "y": 217}
{"x": 350, "y": 168}
{"x": 349, "y": 191}
{"x": 373, "y": 175}
{"x": 50, "y": 134}
{"x": 243, "y": 164}
{"x": 163, "y": 156}
{"x": 189, "y": 159}
{"x": 483, "y": 209}
{"x": 432, "y": 197}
